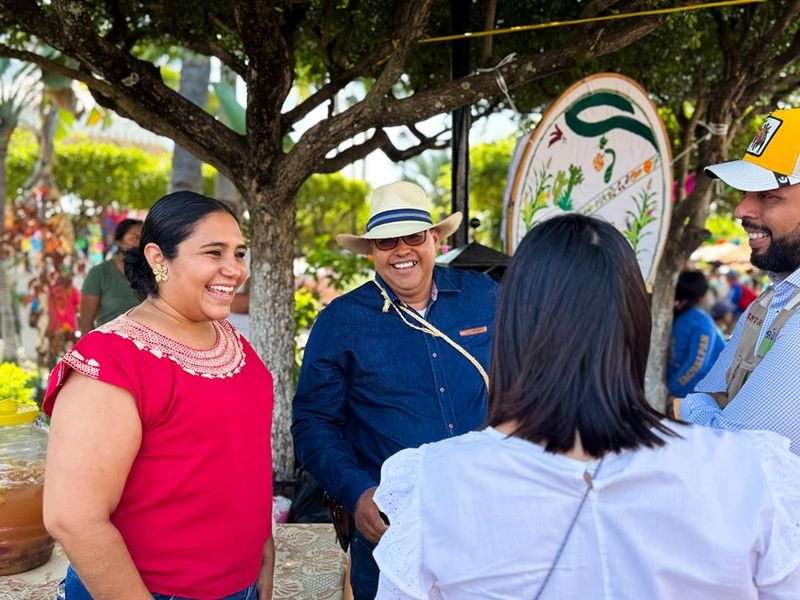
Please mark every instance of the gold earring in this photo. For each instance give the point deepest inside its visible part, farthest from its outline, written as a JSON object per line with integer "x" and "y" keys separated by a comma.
{"x": 160, "y": 271}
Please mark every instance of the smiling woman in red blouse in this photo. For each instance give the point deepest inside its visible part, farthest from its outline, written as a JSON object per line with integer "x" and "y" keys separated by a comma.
{"x": 159, "y": 478}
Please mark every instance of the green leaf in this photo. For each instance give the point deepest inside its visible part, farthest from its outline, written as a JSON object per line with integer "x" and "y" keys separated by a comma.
{"x": 55, "y": 82}
{"x": 230, "y": 105}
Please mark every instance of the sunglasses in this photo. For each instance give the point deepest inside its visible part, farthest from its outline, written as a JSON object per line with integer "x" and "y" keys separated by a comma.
{"x": 413, "y": 239}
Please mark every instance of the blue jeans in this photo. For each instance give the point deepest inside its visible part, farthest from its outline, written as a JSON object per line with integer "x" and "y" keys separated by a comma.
{"x": 363, "y": 568}
{"x": 72, "y": 588}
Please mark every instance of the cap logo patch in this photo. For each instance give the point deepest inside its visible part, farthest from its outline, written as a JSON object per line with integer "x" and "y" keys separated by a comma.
{"x": 783, "y": 180}
{"x": 764, "y": 135}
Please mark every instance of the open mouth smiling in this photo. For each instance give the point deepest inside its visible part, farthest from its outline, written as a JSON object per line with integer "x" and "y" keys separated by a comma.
{"x": 222, "y": 289}
{"x": 405, "y": 264}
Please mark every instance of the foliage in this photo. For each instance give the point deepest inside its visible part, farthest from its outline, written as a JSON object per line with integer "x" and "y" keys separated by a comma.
{"x": 16, "y": 383}
{"x": 431, "y": 171}
{"x": 328, "y": 205}
{"x": 636, "y": 221}
{"x": 487, "y": 181}
{"x": 723, "y": 227}
{"x": 327, "y": 45}
{"x": 99, "y": 172}
{"x": 344, "y": 269}
{"x": 306, "y": 309}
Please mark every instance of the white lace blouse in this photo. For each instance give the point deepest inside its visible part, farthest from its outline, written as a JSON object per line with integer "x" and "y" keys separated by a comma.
{"x": 713, "y": 514}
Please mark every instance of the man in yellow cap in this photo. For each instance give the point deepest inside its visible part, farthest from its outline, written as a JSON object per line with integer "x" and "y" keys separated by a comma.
{"x": 755, "y": 383}
{"x": 394, "y": 364}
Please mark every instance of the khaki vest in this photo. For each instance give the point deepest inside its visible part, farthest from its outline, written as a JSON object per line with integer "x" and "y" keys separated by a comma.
{"x": 747, "y": 358}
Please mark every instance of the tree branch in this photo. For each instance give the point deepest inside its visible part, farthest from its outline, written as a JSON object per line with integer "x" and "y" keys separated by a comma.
{"x": 787, "y": 55}
{"x": 378, "y": 111}
{"x": 132, "y": 86}
{"x": 337, "y": 83}
{"x": 412, "y": 18}
{"x": 269, "y": 76}
{"x": 59, "y": 69}
{"x": 472, "y": 88}
{"x": 381, "y": 141}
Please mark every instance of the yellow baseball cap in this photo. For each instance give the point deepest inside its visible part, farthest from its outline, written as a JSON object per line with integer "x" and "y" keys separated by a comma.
{"x": 771, "y": 161}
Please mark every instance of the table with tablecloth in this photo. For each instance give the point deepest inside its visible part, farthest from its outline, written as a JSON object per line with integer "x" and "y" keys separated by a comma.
{"x": 309, "y": 565}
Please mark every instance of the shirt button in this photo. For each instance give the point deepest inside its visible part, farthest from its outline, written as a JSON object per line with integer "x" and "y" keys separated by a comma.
{"x": 441, "y": 389}
{"x": 434, "y": 355}
{"x": 450, "y": 425}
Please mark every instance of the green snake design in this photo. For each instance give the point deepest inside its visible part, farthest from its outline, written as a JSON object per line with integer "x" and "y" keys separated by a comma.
{"x": 587, "y": 129}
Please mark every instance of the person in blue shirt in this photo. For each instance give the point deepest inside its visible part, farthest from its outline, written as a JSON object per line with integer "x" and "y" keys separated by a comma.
{"x": 696, "y": 342}
{"x": 396, "y": 363}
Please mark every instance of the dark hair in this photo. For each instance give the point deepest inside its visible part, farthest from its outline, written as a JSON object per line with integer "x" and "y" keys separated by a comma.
{"x": 171, "y": 220}
{"x": 571, "y": 339}
{"x": 123, "y": 227}
{"x": 691, "y": 287}
{"x": 720, "y": 308}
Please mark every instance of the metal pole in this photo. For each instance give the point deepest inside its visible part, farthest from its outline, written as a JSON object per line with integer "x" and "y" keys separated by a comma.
{"x": 461, "y": 121}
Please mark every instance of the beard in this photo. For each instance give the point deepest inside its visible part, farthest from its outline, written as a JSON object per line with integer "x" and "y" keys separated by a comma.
{"x": 782, "y": 255}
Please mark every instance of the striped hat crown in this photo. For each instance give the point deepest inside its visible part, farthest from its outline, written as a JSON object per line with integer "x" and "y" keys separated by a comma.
{"x": 396, "y": 210}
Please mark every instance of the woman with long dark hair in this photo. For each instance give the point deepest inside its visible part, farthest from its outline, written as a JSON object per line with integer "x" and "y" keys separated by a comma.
{"x": 159, "y": 471}
{"x": 577, "y": 488}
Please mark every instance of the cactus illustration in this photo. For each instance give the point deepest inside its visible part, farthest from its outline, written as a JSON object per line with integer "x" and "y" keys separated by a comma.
{"x": 564, "y": 201}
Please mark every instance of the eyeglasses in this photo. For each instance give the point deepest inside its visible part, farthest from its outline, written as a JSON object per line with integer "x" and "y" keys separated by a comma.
{"x": 413, "y": 239}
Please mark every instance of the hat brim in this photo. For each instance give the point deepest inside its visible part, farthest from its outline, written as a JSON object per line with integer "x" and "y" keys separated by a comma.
{"x": 747, "y": 177}
{"x": 361, "y": 244}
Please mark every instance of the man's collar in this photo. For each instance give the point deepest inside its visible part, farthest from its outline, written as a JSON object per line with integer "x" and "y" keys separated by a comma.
{"x": 793, "y": 278}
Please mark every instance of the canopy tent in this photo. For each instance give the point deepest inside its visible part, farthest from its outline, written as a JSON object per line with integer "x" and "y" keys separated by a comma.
{"x": 476, "y": 257}
{"x": 724, "y": 252}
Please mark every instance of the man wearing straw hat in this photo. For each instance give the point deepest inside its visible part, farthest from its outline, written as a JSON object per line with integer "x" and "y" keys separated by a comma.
{"x": 394, "y": 364}
{"x": 755, "y": 383}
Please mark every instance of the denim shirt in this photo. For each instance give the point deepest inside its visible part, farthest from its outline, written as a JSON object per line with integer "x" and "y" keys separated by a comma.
{"x": 370, "y": 385}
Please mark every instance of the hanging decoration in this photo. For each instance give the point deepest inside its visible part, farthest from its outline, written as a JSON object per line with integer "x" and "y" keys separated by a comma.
{"x": 602, "y": 150}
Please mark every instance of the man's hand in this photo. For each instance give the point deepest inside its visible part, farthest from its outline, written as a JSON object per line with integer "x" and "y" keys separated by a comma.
{"x": 368, "y": 519}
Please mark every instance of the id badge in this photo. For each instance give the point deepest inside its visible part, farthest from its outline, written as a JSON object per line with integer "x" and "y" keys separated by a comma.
{"x": 765, "y": 346}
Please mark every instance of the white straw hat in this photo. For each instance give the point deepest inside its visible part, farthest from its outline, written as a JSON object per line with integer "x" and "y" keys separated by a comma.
{"x": 396, "y": 210}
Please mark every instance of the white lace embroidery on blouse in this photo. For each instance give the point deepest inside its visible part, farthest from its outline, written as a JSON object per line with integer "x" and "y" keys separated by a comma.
{"x": 89, "y": 367}
{"x": 225, "y": 359}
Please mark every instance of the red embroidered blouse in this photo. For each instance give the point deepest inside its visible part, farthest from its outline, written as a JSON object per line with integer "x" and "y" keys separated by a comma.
{"x": 196, "y": 508}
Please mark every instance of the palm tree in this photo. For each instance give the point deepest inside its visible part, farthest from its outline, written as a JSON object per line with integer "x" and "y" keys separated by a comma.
{"x": 186, "y": 168}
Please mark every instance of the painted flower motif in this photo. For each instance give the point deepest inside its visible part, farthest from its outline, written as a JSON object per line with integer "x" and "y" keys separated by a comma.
{"x": 648, "y": 165}
{"x": 598, "y": 161}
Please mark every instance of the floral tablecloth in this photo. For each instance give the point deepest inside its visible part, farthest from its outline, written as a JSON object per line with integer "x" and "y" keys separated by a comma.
{"x": 309, "y": 566}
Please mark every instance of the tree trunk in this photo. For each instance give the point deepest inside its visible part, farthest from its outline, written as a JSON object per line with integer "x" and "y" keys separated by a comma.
{"x": 186, "y": 168}
{"x": 272, "y": 291}
{"x": 686, "y": 233}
